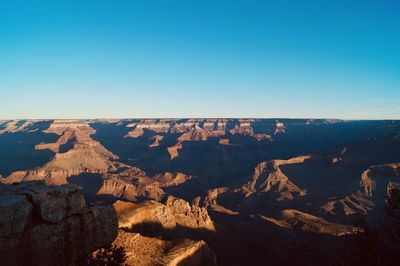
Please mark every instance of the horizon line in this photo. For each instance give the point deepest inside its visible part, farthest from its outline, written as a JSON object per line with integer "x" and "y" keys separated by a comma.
{"x": 178, "y": 118}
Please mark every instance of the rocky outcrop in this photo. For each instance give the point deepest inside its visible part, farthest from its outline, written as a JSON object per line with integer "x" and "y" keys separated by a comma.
{"x": 15, "y": 126}
{"x": 61, "y": 125}
{"x": 74, "y": 162}
{"x": 143, "y": 250}
{"x": 294, "y": 219}
{"x": 194, "y": 130}
{"x": 268, "y": 177}
{"x": 156, "y": 141}
{"x": 51, "y": 225}
{"x": 189, "y": 216}
{"x": 280, "y": 128}
{"x": 375, "y": 183}
{"x": 213, "y": 194}
{"x": 80, "y": 132}
{"x": 149, "y": 251}
{"x": 174, "y": 150}
{"x": 130, "y": 190}
{"x": 9, "y": 127}
{"x": 244, "y": 128}
{"x": 68, "y": 135}
{"x": 200, "y": 134}
{"x": 260, "y": 137}
{"x": 131, "y": 214}
{"x": 378, "y": 178}
{"x": 209, "y": 124}
{"x": 152, "y": 125}
{"x": 169, "y": 215}
{"x": 185, "y": 126}
{"x": 76, "y": 131}
{"x": 135, "y": 133}
{"x": 86, "y": 155}
{"x": 196, "y": 133}
{"x": 133, "y": 184}
{"x": 348, "y": 205}
{"x": 169, "y": 179}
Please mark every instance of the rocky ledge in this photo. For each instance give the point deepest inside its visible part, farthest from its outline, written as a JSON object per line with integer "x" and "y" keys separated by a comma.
{"x": 153, "y": 233}
{"x": 51, "y": 225}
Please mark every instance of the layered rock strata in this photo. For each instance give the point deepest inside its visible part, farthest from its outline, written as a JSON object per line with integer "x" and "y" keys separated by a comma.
{"x": 133, "y": 184}
{"x": 169, "y": 215}
{"x": 85, "y": 156}
{"x": 144, "y": 250}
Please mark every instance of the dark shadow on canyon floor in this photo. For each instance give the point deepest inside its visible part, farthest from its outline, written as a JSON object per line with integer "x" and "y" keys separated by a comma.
{"x": 91, "y": 184}
{"x": 246, "y": 241}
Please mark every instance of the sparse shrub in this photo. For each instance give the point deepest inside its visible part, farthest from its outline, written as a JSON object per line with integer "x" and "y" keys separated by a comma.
{"x": 111, "y": 256}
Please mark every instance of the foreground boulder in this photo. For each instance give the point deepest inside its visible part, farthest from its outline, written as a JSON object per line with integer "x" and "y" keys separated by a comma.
{"x": 51, "y": 225}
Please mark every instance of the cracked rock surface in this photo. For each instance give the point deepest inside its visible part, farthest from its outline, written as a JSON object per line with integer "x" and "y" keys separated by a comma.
{"x": 51, "y": 225}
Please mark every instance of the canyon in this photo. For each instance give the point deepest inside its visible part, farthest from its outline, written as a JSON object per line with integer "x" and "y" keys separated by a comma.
{"x": 212, "y": 191}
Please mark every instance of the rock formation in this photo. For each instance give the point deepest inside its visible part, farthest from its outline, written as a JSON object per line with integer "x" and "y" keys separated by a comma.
{"x": 269, "y": 177}
{"x": 156, "y": 139}
{"x": 86, "y": 155}
{"x": 209, "y": 124}
{"x": 221, "y": 124}
{"x": 185, "y": 126}
{"x": 149, "y": 251}
{"x": 244, "y": 128}
{"x": 280, "y": 128}
{"x": 174, "y": 150}
{"x": 74, "y": 162}
{"x": 196, "y": 130}
{"x": 135, "y": 133}
{"x": 152, "y": 125}
{"x": 197, "y": 133}
{"x": 15, "y": 126}
{"x": 246, "y": 205}
{"x": 379, "y": 178}
{"x": 375, "y": 182}
{"x": 169, "y": 215}
{"x": 133, "y": 183}
{"x": 260, "y": 137}
{"x": 51, "y": 225}
{"x": 142, "y": 250}
{"x": 294, "y": 219}
{"x": 348, "y": 205}
{"x": 72, "y": 130}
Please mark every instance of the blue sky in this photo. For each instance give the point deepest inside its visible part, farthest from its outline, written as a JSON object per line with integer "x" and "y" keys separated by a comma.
{"x": 109, "y": 59}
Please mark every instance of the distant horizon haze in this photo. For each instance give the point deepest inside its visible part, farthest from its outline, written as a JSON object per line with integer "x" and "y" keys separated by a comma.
{"x": 204, "y": 118}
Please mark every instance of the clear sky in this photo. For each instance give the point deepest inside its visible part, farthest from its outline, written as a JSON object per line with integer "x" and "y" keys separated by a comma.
{"x": 118, "y": 59}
